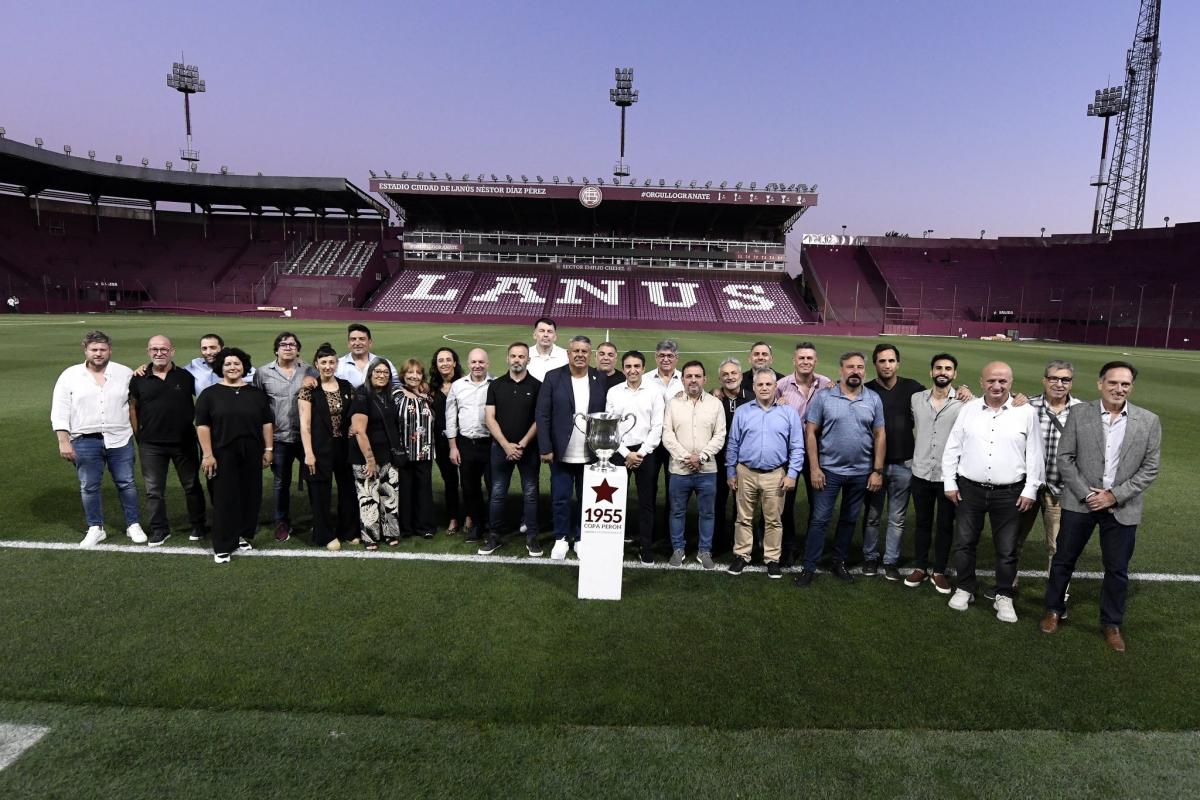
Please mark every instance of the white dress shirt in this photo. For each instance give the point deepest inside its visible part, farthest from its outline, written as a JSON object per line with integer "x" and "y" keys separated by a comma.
{"x": 1114, "y": 437}
{"x": 80, "y": 405}
{"x": 995, "y": 446}
{"x": 669, "y": 388}
{"x": 576, "y": 452}
{"x": 347, "y": 370}
{"x": 465, "y": 407}
{"x": 539, "y": 364}
{"x": 647, "y": 405}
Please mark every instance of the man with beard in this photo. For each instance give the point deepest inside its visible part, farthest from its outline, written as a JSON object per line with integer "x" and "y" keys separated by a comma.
{"x": 934, "y": 412}
{"x": 732, "y": 394}
{"x": 201, "y": 368}
{"x": 797, "y": 390}
{"x": 575, "y": 388}
{"x": 992, "y": 466}
{"x": 638, "y": 448}
{"x": 844, "y": 439}
{"x": 761, "y": 355}
{"x": 509, "y": 415}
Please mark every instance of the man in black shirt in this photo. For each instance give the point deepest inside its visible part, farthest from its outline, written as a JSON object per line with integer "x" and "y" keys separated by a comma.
{"x": 761, "y": 355}
{"x": 509, "y": 415}
{"x": 606, "y": 362}
{"x": 896, "y": 393}
{"x": 732, "y": 394}
{"x": 161, "y": 404}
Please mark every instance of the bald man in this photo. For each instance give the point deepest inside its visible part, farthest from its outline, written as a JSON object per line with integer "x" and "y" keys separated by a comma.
{"x": 470, "y": 439}
{"x": 992, "y": 465}
{"x": 161, "y": 410}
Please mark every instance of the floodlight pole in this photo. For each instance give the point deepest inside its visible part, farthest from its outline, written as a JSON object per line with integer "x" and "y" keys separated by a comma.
{"x": 623, "y": 96}
{"x": 185, "y": 79}
{"x": 1109, "y": 103}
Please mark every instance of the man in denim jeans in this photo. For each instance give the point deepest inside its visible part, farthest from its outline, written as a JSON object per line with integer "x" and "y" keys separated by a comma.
{"x": 509, "y": 413}
{"x": 845, "y": 443}
{"x": 90, "y": 415}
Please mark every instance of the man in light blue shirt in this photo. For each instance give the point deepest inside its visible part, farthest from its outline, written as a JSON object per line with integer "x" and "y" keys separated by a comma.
{"x": 844, "y": 437}
{"x": 764, "y": 455}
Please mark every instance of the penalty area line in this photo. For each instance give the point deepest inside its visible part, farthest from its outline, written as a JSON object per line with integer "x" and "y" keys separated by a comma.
{"x": 471, "y": 558}
{"x": 16, "y": 739}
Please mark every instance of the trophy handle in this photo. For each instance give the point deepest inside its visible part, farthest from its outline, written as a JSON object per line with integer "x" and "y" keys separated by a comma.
{"x": 575, "y": 423}
{"x": 633, "y": 424}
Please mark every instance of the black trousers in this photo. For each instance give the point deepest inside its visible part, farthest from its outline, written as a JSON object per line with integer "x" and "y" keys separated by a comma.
{"x": 415, "y": 498}
{"x": 1000, "y": 507}
{"x": 320, "y": 497}
{"x": 475, "y": 468}
{"x": 237, "y": 491}
{"x": 186, "y": 458}
{"x": 1116, "y": 549}
{"x": 790, "y": 546}
{"x": 722, "y": 541}
{"x": 449, "y": 473}
{"x": 646, "y": 479}
{"x": 929, "y": 500}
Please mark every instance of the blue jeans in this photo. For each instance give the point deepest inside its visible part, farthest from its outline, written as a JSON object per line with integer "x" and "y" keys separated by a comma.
{"x": 91, "y": 456}
{"x": 681, "y": 488}
{"x": 502, "y": 469}
{"x": 852, "y": 488}
{"x": 286, "y": 454}
{"x": 565, "y": 480}
{"x": 896, "y": 480}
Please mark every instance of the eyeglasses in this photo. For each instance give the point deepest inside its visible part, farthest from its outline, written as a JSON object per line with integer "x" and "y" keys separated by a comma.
{"x": 1057, "y": 379}
{"x": 667, "y": 356}
{"x": 159, "y": 349}
{"x": 288, "y": 345}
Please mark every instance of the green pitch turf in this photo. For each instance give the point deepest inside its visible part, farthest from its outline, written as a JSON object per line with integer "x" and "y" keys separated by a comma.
{"x": 164, "y": 676}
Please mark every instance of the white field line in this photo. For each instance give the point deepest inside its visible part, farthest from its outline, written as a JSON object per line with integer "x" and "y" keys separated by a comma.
{"x": 16, "y": 739}
{"x": 469, "y": 558}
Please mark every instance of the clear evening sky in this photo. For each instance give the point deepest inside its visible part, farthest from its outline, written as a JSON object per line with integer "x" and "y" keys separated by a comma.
{"x": 954, "y": 115}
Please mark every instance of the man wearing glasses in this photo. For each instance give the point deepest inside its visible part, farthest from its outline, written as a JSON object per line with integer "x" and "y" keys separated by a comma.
{"x": 1053, "y": 406}
{"x": 668, "y": 381}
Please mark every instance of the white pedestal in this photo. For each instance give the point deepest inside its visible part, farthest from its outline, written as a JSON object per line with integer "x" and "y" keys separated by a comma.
{"x": 601, "y": 545}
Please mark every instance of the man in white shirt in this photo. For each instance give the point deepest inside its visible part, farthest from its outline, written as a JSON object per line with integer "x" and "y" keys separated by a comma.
{"x": 90, "y": 415}
{"x": 992, "y": 465}
{"x": 545, "y": 355}
{"x": 471, "y": 441}
{"x": 637, "y": 451}
{"x": 352, "y": 367}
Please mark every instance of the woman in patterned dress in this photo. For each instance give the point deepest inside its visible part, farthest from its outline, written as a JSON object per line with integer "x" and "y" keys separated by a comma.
{"x": 414, "y": 408}
{"x": 375, "y": 456}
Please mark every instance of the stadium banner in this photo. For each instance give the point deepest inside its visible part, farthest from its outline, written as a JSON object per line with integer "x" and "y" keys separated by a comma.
{"x": 592, "y": 195}
{"x": 760, "y": 257}
{"x": 433, "y": 247}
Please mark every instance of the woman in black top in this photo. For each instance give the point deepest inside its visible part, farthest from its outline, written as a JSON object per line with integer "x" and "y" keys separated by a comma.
{"x": 446, "y": 370}
{"x": 415, "y": 412}
{"x": 235, "y": 426}
{"x": 375, "y": 455}
{"x": 324, "y": 431}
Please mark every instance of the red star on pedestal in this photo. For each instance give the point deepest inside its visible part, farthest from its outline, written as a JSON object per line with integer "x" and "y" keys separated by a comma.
{"x": 604, "y": 492}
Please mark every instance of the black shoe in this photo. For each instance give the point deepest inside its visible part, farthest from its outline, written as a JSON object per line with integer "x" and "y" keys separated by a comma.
{"x": 244, "y": 544}
{"x": 841, "y": 573}
{"x": 427, "y": 535}
{"x": 471, "y": 534}
{"x": 892, "y": 572}
{"x": 646, "y": 557}
{"x": 197, "y": 534}
{"x": 870, "y": 568}
{"x": 532, "y": 547}
{"x": 788, "y": 560}
{"x": 737, "y": 565}
{"x": 804, "y": 579}
{"x": 157, "y": 538}
{"x": 493, "y": 544}
{"x": 774, "y": 571}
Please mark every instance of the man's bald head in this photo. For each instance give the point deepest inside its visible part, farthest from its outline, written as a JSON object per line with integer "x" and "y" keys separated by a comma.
{"x": 477, "y": 363}
{"x": 996, "y": 382}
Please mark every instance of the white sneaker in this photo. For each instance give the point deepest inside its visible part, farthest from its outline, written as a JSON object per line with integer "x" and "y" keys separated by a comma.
{"x": 961, "y": 600}
{"x": 221, "y": 558}
{"x": 95, "y": 535}
{"x": 136, "y": 534}
{"x": 560, "y": 550}
{"x": 1004, "y": 609}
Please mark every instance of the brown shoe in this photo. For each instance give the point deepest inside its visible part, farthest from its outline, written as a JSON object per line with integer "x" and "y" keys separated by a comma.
{"x": 915, "y": 578}
{"x": 940, "y": 583}
{"x": 1112, "y": 637}
{"x": 1049, "y": 623}
{"x": 283, "y": 531}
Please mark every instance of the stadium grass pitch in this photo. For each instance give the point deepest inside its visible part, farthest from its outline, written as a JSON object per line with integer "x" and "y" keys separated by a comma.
{"x": 163, "y": 676}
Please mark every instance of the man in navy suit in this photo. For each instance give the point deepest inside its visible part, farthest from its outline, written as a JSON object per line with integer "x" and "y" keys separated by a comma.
{"x": 567, "y": 390}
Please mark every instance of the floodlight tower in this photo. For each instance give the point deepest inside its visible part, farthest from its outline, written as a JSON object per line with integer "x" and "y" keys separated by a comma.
{"x": 185, "y": 79}
{"x": 623, "y": 96}
{"x": 1125, "y": 195}
{"x": 1109, "y": 103}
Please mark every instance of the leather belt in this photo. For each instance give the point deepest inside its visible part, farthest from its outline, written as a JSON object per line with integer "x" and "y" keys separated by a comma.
{"x": 993, "y": 486}
{"x": 761, "y": 471}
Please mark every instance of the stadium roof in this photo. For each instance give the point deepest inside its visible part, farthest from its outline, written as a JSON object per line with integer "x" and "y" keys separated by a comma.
{"x": 658, "y": 211}
{"x": 36, "y": 170}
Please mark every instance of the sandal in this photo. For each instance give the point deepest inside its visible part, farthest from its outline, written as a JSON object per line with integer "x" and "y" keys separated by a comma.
{"x": 393, "y": 542}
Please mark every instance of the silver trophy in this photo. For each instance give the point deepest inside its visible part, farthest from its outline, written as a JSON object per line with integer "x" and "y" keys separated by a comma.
{"x": 603, "y": 435}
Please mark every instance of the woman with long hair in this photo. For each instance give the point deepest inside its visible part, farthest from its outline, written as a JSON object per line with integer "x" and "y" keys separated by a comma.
{"x": 414, "y": 409}
{"x": 324, "y": 432}
{"x": 376, "y": 455}
{"x": 446, "y": 370}
{"x": 235, "y": 426}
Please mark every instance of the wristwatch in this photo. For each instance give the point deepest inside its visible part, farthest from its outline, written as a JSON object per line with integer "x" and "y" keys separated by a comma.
{"x": 878, "y": 472}
{"x": 704, "y": 458}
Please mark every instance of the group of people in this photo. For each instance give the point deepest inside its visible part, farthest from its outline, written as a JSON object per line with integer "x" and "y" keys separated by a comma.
{"x": 757, "y": 437}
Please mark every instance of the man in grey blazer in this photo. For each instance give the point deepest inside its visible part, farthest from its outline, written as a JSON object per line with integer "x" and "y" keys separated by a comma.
{"x": 1108, "y": 456}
